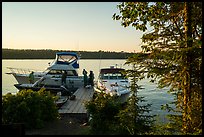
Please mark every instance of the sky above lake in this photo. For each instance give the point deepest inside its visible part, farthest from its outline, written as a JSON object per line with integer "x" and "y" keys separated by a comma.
{"x": 81, "y": 26}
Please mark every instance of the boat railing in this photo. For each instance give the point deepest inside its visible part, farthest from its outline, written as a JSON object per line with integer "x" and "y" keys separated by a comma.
{"x": 21, "y": 70}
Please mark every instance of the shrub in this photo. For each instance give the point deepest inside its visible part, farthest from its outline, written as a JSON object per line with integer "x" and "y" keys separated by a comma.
{"x": 103, "y": 108}
{"x": 29, "y": 107}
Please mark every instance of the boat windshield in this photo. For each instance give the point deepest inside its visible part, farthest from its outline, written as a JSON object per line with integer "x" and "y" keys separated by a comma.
{"x": 67, "y": 58}
{"x": 111, "y": 76}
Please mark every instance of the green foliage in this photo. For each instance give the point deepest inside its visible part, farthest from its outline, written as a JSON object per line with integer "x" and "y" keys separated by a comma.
{"x": 29, "y": 107}
{"x": 140, "y": 122}
{"x": 102, "y": 109}
{"x": 108, "y": 116}
{"x": 174, "y": 48}
{"x": 169, "y": 128}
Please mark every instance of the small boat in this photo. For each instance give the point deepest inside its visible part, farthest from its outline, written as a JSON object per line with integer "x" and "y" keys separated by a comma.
{"x": 112, "y": 81}
{"x": 51, "y": 77}
{"x": 61, "y": 100}
{"x": 53, "y": 89}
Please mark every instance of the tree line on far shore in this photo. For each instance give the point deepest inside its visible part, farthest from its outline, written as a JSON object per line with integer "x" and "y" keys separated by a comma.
{"x": 50, "y": 54}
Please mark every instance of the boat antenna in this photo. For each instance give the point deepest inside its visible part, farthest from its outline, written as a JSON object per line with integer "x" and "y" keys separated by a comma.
{"x": 100, "y": 52}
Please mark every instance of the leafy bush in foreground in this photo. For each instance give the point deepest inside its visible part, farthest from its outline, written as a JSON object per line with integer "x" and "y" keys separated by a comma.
{"x": 29, "y": 107}
{"x": 103, "y": 109}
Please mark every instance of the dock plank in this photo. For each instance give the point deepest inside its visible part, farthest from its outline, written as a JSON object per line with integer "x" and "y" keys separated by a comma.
{"x": 83, "y": 109}
{"x": 77, "y": 105}
{"x": 81, "y": 106}
{"x": 76, "y": 102}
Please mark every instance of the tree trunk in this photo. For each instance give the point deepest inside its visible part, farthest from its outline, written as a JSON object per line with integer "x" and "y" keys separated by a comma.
{"x": 187, "y": 80}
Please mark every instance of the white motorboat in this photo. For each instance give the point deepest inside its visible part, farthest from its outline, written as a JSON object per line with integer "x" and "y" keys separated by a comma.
{"x": 51, "y": 77}
{"x": 112, "y": 81}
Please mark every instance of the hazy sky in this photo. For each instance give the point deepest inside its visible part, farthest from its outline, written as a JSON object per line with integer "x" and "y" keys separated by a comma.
{"x": 84, "y": 26}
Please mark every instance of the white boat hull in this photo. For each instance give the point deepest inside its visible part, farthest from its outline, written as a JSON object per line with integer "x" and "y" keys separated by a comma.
{"x": 122, "y": 97}
{"x": 112, "y": 81}
{"x": 23, "y": 79}
{"x": 72, "y": 82}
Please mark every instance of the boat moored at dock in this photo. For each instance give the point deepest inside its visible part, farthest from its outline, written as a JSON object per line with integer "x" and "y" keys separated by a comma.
{"x": 51, "y": 78}
{"x": 112, "y": 81}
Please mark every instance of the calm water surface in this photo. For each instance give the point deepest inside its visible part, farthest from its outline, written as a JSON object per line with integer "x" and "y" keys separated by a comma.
{"x": 152, "y": 94}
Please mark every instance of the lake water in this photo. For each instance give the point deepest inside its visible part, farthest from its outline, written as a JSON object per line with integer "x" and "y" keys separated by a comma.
{"x": 152, "y": 94}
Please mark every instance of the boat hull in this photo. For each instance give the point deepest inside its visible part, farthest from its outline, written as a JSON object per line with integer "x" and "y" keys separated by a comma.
{"x": 22, "y": 79}
{"x": 55, "y": 90}
{"x": 122, "y": 97}
{"x": 112, "y": 81}
{"x": 72, "y": 82}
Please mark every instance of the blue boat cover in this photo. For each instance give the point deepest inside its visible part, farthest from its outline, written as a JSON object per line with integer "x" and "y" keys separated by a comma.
{"x": 73, "y": 54}
{"x": 67, "y": 53}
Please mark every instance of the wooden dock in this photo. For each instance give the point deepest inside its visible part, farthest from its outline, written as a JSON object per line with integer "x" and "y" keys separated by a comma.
{"x": 77, "y": 105}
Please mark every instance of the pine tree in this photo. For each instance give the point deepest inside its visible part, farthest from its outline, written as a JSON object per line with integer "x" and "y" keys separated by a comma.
{"x": 134, "y": 119}
{"x": 175, "y": 55}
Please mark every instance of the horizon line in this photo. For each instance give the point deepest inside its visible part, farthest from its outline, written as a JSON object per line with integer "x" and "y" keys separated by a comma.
{"x": 76, "y": 50}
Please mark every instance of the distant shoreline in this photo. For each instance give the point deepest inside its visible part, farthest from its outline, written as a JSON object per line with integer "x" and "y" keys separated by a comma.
{"x": 53, "y": 58}
{"x": 50, "y": 54}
